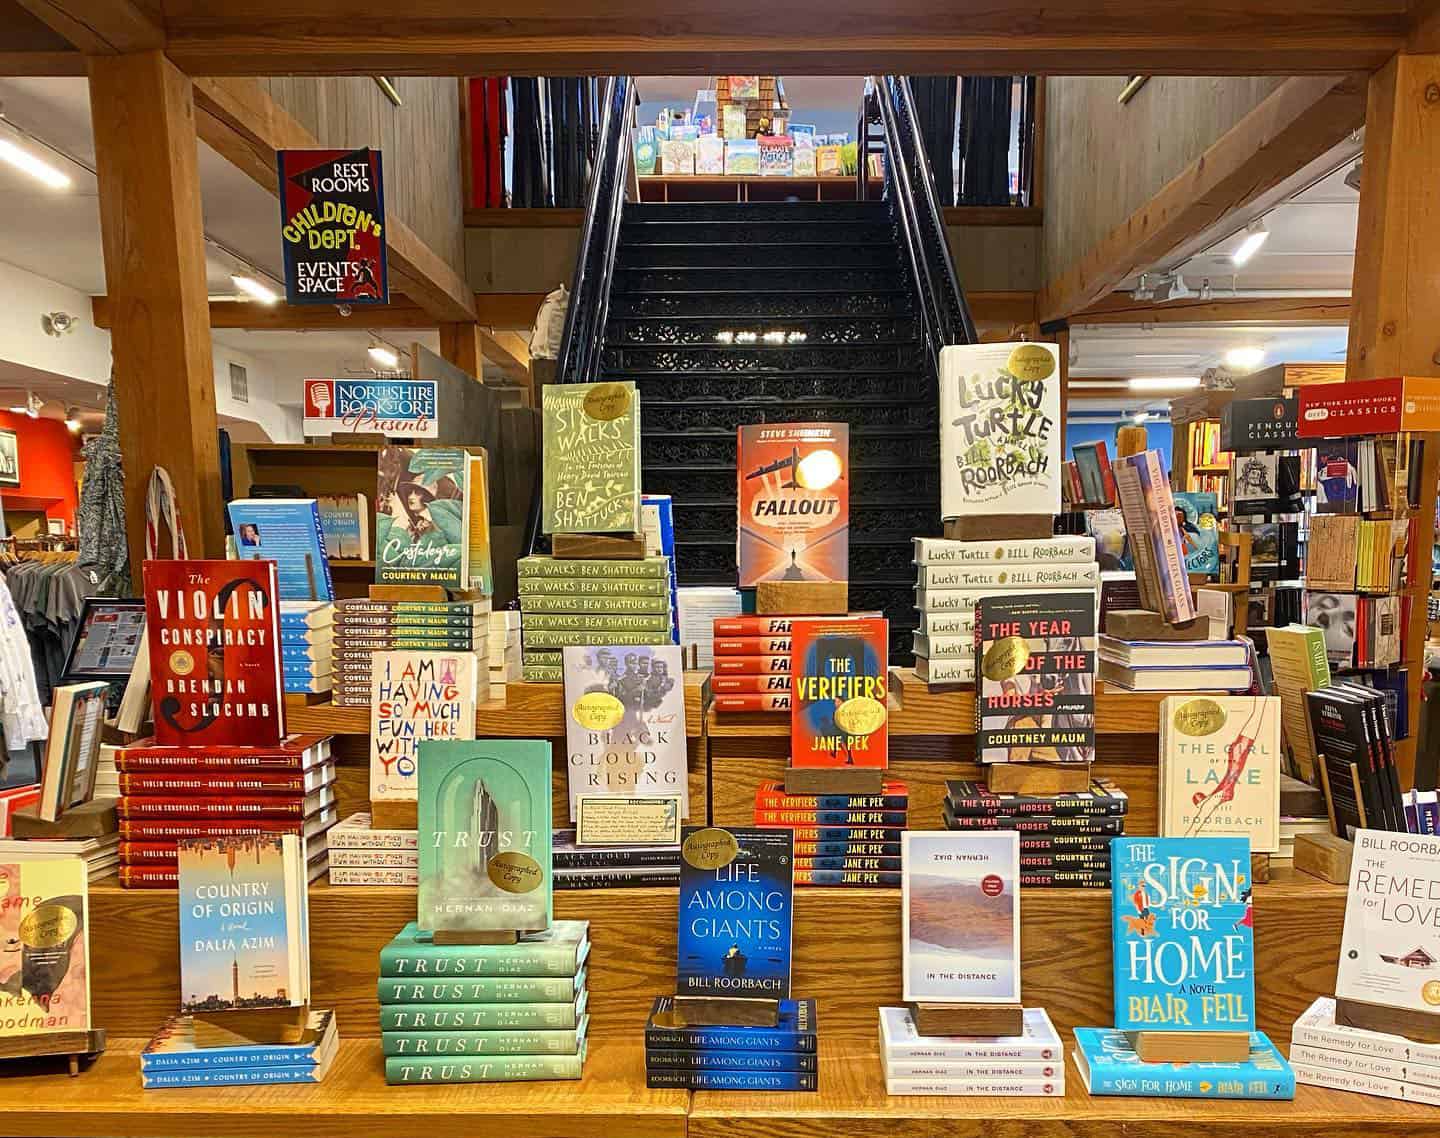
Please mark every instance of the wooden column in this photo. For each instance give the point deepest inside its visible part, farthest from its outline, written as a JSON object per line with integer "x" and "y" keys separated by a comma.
{"x": 1395, "y": 296}
{"x": 151, "y": 227}
{"x": 460, "y": 345}
{"x": 1062, "y": 341}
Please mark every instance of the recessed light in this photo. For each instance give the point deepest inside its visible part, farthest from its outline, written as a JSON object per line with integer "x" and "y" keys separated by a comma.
{"x": 25, "y": 161}
{"x": 1246, "y": 358}
{"x": 1162, "y": 382}
{"x": 1255, "y": 236}
{"x": 254, "y": 289}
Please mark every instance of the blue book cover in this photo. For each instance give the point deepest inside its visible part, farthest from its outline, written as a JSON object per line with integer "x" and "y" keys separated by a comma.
{"x": 712, "y": 1059}
{"x": 736, "y": 887}
{"x": 231, "y": 1076}
{"x": 657, "y": 520}
{"x": 1183, "y": 935}
{"x": 795, "y": 1030}
{"x": 1108, "y": 1065}
{"x": 1199, "y": 531}
{"x": 732, "y": 1080}
{"x": 286, "y": 531}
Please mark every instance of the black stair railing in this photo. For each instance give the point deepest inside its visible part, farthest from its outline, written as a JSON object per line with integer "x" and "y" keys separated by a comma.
{"x": 582, "y": 340}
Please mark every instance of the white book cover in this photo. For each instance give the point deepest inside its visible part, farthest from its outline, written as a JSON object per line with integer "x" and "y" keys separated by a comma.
{"x": 960, "y": 623}
{"x": 1039, "y": 576}
{"x": 987, "y": 1088}
{"x": 416, "y": 697}
{"x": 1040, "y": 1043}
{"x": 960, "y": 916}
{"x": 1316, "y": 1027}
{"x": 1397, "y": 1069}
{"x": 945, "y": 671}
{"x": 1390, "y": 949}
{"x": 1314, "y": 1076}
{"x": 1044, "y": 550}
{"x": 961, "y": 647}
{"x": 1000, "y": 429}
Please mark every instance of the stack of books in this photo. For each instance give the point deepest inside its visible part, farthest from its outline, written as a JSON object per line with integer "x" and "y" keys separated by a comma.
{"x": 1326, "y": 1054}
{"x": 951, "y": 576}
{"x": 750, "y": 668}
{"x": 186, "y": 1054}
{"x": 1064, "y": 838}
{"x": 1032, "y": 1064}
{"x": 1175, "y": 665}
{"x": 840, "y": 839}
{"x": 503, "y": 648}
{"x": 364, "y": 627}
{"x": 1109, "y": 1065}
{"x": 1353, "y": 739}
{"x": 779, "y": 1058}
{"x": 363, "y": 855}
{"x": 605, "y": 867}
{"x": 519, "y": 1009}
{"x": 170, "y": 793}
{"x": 101, "y": 855}
{"x": 589, "y": 602}
{"x": 107, "y": 773}
{"x": 305, "y": 645}
{"x": 1360, "y": 632}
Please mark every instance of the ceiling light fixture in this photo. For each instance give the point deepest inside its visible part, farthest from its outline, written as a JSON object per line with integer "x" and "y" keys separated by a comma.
{"x": 384, "y": 355}
{"x": 1246, "y": 359}
{"x": 1177, "y": 289}
{"x": 1162, "y": 382}
{"x": 24, "y": 161}
{"x": 1256, "y": 234}
{"x": 1143, "y": 290}
{"x": 1139, "y": 416}
{"x": 254, "y": 289}
{"x": 1206, "y": 292}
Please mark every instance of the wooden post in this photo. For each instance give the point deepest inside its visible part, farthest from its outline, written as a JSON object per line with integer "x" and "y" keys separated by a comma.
{"x": 1395, "y": 297}
{"x": 1062, "y": 341}
{"x": 153, "y": 237}
{"x": 460, "y": 346}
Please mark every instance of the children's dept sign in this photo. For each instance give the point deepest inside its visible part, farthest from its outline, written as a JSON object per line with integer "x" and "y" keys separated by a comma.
{"x": 332, "y": 227}
{"x": 395, "y": 408}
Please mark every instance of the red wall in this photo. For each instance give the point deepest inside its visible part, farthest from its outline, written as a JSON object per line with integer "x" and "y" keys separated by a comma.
{"x": 48, "y": 452}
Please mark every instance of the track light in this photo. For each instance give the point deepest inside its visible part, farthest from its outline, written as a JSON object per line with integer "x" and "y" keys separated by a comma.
{"x": 24, "y": 161}
{"x": 1255, "y": 236}
{"x": 1206, "y": 292}
{"x": 254, "y": 289}
{"x": 1162, "y": 382}
{"x": 384, "y": 355}
{"x": 1144, "y": 290}
{"x": 1246, "y": 359}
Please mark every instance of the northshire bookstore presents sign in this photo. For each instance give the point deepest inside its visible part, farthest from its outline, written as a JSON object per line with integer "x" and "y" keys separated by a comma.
{"x": 332, "y": 226}
{"x": 395, "y": 408}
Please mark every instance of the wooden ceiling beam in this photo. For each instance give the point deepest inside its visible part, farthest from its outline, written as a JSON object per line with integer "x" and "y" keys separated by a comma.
{"x": 1121, "y": 308}
{"x": 1295, "y": 124}
{"x": 499, "y": 312}
{"x": 100, "y": 27}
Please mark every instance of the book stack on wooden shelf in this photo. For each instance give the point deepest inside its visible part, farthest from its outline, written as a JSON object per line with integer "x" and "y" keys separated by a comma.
{"x": 361, "y": 854}
{"x": 780, "y": 1058}
{"x": 365, "y": 628}
{"x": 750, "y": 669}
{"x": 1355, "y": 751}
{"x": 1031, "y": 1064}
{"x": 187, "y": 1053}
{"x": 1329, "y": 1054}
{"x": 100, "y": 855}
{"x": 502, "y": 650}
{"x": 1175, "y": 665}
{"x": 840, "y": 839}
{"x": 307, "y": 643}
{"x": 609, "y": 867}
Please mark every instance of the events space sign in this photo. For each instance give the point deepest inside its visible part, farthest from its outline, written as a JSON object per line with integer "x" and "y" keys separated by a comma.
{"x": 395, "y": 408}
{"x": 332, "y": 226}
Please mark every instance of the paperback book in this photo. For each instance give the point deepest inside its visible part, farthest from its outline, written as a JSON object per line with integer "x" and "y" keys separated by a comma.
{"x": 177, "y": 1047}
{"x": 794, "y": 502}
{"x": 416, "y": 697}
{"x": 345, "y": 523}
{"x": 840, "y": 681}
{"x": 45, "y": 927}
{"x": 422, "y": 517}
{"x": 72, "y": 749}
{"x": 561, "y": 950}
{"x": 288, "y": 532}
{"x": 591, "y": 472}
{"x": 1108, "y": 1065}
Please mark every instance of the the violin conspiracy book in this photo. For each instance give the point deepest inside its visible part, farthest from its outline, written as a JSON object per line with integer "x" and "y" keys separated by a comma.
{"x": 839, "y": 678}
{"x": 794, "y": 502}
{"x": 213, "y": 629}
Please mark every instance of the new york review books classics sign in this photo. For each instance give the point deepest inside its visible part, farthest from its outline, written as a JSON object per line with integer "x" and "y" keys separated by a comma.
{"x": 395, "y": 408}
{"x": 332, "y": 226}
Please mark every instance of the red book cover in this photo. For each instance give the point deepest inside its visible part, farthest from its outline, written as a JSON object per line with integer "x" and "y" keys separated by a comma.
{"x": 213, "y": 784}
{"x": 753, "y": 625}
{"x": 170, "y": 829}
{"x": 794, "y": 502}
{"x": 839, "y": 673}
{"x": 213, "y": 629}
{"x": 135, "y": 853}
{"x": 782, "y": 818}
{"x": 754, "y": 701}
{"x": 231, "y": 806}
{"x": 744, "y": 685}
{"x": 752, "y": 646}
{"x": 150, "y": 876}
{"x": 751, "y": 665}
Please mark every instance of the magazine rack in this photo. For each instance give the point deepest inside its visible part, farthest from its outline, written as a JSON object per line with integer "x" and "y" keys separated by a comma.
{"x": 73, "y": 1045}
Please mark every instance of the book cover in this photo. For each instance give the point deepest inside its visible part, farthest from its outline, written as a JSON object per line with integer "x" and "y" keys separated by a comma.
{"x": 1184, "y": 938}
{"x": 734, "y": 913}
{"x": 794, "y": 502}
{"x": 72, "y": 749}
{"x": 795, "y": 1031}
{"x": 625, "y": 723}
{"x": 1195, "y": 517}
{"x": 1298, "y": 664}
{"x": 839, "y": 677}
{"x": 345, "y": 523}
{"x": 1220, "y": 768}
{"x": 485, "y": 831}
{"x": 960, "y": 902}
{"x": 45, "y": 928}
{"x": 999, "y": 429}
{"x": 244, "y": 928}
{"x": 1108, "y": 1065}
{"x": 561, "y": 950}
{"x": 214, "y": 641}
{"x": 1035, "y": 678}
{"x": 422, "y": 517}
{"x": 1155, "y": 542}
{"x": 415, "y": 697}
{"x": 288, "y": 532}
{"x": 481, "y": 571}
{"x": 1390, "y": 951}
{"x": 591, "y": 471}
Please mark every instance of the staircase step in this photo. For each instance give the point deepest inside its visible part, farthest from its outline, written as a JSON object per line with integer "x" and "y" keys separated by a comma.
{"x": 717, "y": 305}
{"x": 818, "y": 278}
{"x": 840, "y": 253}
{"x": 766, "y": 389}
{"x": 754, "y": 231}
{"x": 762, "y": 359}
{"x": 701, "y": 450}
{"x": 832, "y": 328}
{"x": 756, "y": 211}
{"x": 680, "y": 418}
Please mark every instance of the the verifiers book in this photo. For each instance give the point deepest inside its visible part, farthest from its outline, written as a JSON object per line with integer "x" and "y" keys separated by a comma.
{"x": 839, "y": 674}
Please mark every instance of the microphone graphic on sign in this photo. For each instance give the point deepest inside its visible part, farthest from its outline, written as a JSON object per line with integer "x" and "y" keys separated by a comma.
{"x": 320, "y": 398}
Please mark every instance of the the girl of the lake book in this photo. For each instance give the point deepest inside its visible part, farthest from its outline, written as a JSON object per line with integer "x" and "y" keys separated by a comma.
{"x": 484, "y": 835}
{"x": 735, "y": 894}
{"x": 1184, "y": 940}
{"x": 1220, "y": 768}
{"x": 244, "y": 923}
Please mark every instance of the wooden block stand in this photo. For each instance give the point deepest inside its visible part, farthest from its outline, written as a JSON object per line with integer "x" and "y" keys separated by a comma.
{"x": 1191, "y": 1046}
{"x": 1421, "y": 1027}
{"x": 92, "y": 819}
{"x": 1324, "y": 856}
{"x": 727, "y": 1011}
{"x": 601, "y": 546}
{"x": 1037, "y": 778}
{"x": 73, "y": 1045}
{"x": 985, "y": 1020}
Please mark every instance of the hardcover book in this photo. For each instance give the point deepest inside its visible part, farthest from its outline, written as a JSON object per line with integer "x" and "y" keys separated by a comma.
{"x": 484, "y": 833}
{"x": 213, "y": 633}
{"x": 415, "y": 697}
{"x": 591, "y": 474}
{"x": 1199, "y": 531}
{"x": 72, "y": 750}
{"x": 481, "y": 574}
{"x": 244, "y": 923}
{"x": 561, "y": 950}
{"x": 45, "y": 927}
{"x": 999, "y": 429}
{"x": 960, "y": 903}
{"x": 422, "y": 517}
{"x": 839, "y": 676}
{"x": 1154, "y": 536}
{"x": 1220, "y": 768}
{"x": 286, "y": 531}
{"x": 1108, "y": 1065}
{"x": 345, "y": 522}
{"x": 794, "y": 502}
{"x": 625, "y": 723}
{"x": 1050, "y": 550}
{"x": 176, "y": 1047}
{"x": 1184, "y": 938}
{"x": 734, "y": 918}
{"x": 1035, "y": 678}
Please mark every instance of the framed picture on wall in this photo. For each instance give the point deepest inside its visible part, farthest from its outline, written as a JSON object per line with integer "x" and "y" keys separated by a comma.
{"x": 9, "y": 458}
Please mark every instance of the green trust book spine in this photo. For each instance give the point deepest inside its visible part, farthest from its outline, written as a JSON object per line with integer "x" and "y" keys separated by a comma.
{"x": 559, "y": 602}
{"x": 590, "y": 479}
{"x": 591, "y": 568}
{"x": 559, "y": 951}
{"x": 401, "y": 1070}
{"x": 515, "y": 990}
{"x": 597, "y": 622}
{"x": 604, "y": 587}
{"x": 522, "y": 1042}
{"x": 565, "y": 639}
{"x": 447, "y": 1018}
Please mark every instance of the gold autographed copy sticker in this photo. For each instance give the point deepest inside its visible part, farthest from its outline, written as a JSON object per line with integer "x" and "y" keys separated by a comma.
{"x": 181, "y": 662}
{"x": 49, "y": 926}
{"x": 515, "y": 872}
{"x": 598, "y": 711}
{"x": 1198, "y": 718}
{"x": 607, "y": 401}
{"x": 710, "y": 848}
{"x": 1031, "y": 362}
{"x": 860, "y": 716}
{"x": 1006, "y": 658}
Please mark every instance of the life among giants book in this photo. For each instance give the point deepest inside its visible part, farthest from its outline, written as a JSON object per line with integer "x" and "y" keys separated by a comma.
{"x": 1035, "y": 678}
{"x": 961, "y": 917}
{"x": 1220, "y": 768}
{"x": 1183, "y": 934}
{"x": 414, "y": 697}
{"x": 214, "y": 638}
{"x": 484, "y": 835}
{"x": 839, "y": 677}
{"x": 736, "y": 889}
{"x": 794, "y": 502}
{"x": 45, "y": 927}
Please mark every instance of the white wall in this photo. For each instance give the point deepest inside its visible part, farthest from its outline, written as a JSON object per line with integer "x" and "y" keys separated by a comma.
{"x": 83, "y": 353}
{"x": 282, "y": 424}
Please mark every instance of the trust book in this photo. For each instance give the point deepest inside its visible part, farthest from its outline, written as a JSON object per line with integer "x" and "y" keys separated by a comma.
{"x": 625, "y": 723}
{"x": 484, "y": 835}
{"x": 591, "y": 473}
{"x": 422, "y": 517}
{"x": 794, "y": 502}
{"x": 735, "y": 912}
{"x": 960, "y": 899}
{"x": 1183, "y": 934}
{"x": 416, "y": 697}
{"x": 840, "y": 682}
{"x": 45, "y": 928}
{"x": 213, "y": 633}
{"x": 1220, "y": 768}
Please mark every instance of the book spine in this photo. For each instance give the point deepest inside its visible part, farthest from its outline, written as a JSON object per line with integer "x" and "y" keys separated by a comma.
{"x": 598, "y": 857}
{"x": 375, "y": 623}
{"x": 360, "y": 838}
{"x": 752, "y": 646}
{"x": 1090, "y": 863}
{"x": 402, "y": 1070}
{"x": 728, "y": 1039}
{"x": 1169, "y": 561}
{"x": 755, "y": 701}
{"x": 1360, "y": 1083}
{"x": 847, "y": 877}
{"x": 258, "y": 1075}
{"x": 830, "y": 817}
{"x": 465, "y": 609}
{"x": 374, "y": 875}
{"x": 424, "y": 1044}
{"x": 753, "y": 626}
{"x": 936, "y": 1053}
{"x": 607, "y": 879}
{"x": 149, "y": 876}
{"x": 542, "y": 674}
{"x": 204, "y": 1058}
{"x": 1370, "y": 1044}
{"x": 1067, "y": 878}
{"x": 161, "y": 807}
{"x": 703, "y": 1080}
{"x": 140, "y": 762}
{"x": 138, "y": 853}
{"x": 436, "y": 638}
{"x": 848, "y": 862}
{"x": 846, "y": 834}
{"x": 751, "y": 665}
{"x": 1352, "y": 1063}
{"x": 1010, "y": 577}
{"x": 1045, "y": 824}
{"x": 581, "y": 587}
{"x": 751, "y": 1060}
{"x": 546, "y": 602}
{"x": 778, "y": 799}
{"x": 373, "y": 859}
{"x": 847, "y": 849}
{"x": 1071, "y": 843}
{"x": 895, "y": 1084}
{"x": 948, "y": 624}
{"x": 526, "y": 1000}
{"x": 213, "y": 783}
{"x": 981, "y": 806}
{"x": 597, "y": 622}
{"x": 573, "y": 567}
{"x": 159, "y": 829}
{"x": 958, "y": 647}
{"x": 565, "y": 639}
{"x": 749, "y": 685}
{"x": 435, "y": 961}
{"x": 941, "y": 551}
{"x": 950, "y": 671}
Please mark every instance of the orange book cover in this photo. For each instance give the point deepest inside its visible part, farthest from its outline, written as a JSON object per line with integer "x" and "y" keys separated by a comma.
{"x": 839, "y": 673}
{"x": 794, "y": 502}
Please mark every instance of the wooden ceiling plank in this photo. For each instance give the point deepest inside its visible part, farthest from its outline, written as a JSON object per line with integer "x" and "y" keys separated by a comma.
{"x": 100, "y": 27}
{"x": 1121, "y": 308}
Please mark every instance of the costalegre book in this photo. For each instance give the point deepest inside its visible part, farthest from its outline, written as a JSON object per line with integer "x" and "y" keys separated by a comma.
{"x": 415, "y": 697}
{"x": 1220, "y": 768}
{"x": 840, "y": 682}
{"x": 591, "y": 474}
{"x": 45, "y": 928}
{"x": 794, "y": 502}
{"x": 422, "y": 517}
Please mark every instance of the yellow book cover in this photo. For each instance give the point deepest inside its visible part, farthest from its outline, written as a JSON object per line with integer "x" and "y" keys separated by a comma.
{"x": 45, "y": 958}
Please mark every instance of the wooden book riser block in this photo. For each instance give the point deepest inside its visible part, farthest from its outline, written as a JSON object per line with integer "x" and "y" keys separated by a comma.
{"x": 390, "y": 814}
{"x": 1000, "y": 527}
{"x": 73, "y": 1045}
{"x": 996, "y": 1021}
{"x": 1324, "y": 856}
{"x": 427, "y": 593}
{"x": 802, "y": 598}
{"x": 1191, "y": 1046}
{"x": 834, "y": 780}
{"x": 476, "y": 936}
{"x": 1037, "y": 778}
{"x": 601, "y": 546}
{"x": 258, "y": 1025}
{"x": 92, "y": 819}
{"x": 1422, "y": 1027}
{"x": 726, "y": 1011}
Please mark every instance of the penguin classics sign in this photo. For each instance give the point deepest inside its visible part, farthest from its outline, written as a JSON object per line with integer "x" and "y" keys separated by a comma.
{"x": 332, "y": 226}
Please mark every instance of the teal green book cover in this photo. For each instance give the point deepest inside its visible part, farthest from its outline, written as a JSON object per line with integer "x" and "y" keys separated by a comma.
{"x": 484, "y": 835}
{"x": 422, "y": 517}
